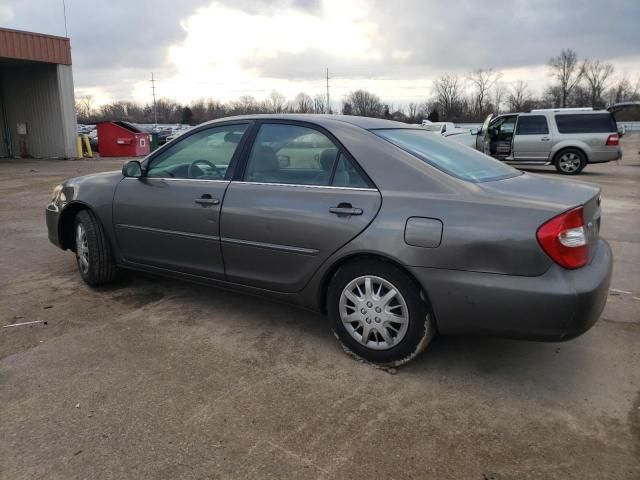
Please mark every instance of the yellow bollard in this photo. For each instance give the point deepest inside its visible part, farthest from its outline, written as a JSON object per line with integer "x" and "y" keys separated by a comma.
{"x": 87, "y": 145}
{"x": 79, "y": 146}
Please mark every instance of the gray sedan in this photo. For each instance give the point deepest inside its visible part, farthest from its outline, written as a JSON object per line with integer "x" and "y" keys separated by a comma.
{"x": 392, "y": 232}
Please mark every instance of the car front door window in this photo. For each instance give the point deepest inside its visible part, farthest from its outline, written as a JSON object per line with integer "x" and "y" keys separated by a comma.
{"x": 205, "y": 155}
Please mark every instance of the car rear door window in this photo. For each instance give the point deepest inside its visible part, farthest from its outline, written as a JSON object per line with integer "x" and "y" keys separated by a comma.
{"x": 205, "y": 155}
{"x": 532, "y": 125}
{"x": 450, "y": 157}
{"x": 291, "y": 154}
{"x": 347, "y": 175}
{"x": 586, "y": 123}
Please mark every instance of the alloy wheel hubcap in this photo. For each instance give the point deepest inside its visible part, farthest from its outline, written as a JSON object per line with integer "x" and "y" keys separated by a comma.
{"x": 374, "y": 312}
{"x": 82, "y": 248}
{"x": 569, "y": 162}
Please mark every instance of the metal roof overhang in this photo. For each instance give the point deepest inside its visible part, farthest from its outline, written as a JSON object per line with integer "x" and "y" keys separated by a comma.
{"x": 35, "y": 47}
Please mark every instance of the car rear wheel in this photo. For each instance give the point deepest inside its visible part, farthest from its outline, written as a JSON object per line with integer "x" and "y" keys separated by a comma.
{"x": 570, "y": 162}
{"x": 378, "y": 314}
{"x": 93, "y": 252}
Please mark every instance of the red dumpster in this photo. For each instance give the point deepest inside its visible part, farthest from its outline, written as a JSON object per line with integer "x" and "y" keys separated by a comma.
{"x": 122, "y": 139}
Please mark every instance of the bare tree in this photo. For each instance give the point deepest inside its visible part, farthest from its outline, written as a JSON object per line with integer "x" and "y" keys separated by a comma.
{"x": 319, "y": 104}
{"x": 448, "y": 93}
{"x": 245, "y": 104}
{"x": 597, "y": 75}
{"x": 499, "y": 94}
{"x": 303, "y": 103}
{"x": 84, "y": 107}
{"x": 347, "y": 108}
{"x": 623, "y": 90}
{"x": 364, "y": 103}
{"x": 518, "y": 96}
{"x": 565, "y": 69}
{"x": 482, "y": 80}
{"x": 412, "y": 111}
{"x": 275, "y": 102}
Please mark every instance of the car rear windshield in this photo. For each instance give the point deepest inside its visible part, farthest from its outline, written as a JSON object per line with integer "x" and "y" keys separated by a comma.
{"x": 586, "y": 123}
{"x": 447, "y": 155}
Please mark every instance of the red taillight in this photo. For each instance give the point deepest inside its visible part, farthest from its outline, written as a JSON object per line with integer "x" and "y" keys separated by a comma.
{"x": 564, "y": 239}
{"x": 613, "y": 140}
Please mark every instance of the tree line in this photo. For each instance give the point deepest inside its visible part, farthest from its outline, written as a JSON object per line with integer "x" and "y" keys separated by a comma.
{"x": 454, "y": 97}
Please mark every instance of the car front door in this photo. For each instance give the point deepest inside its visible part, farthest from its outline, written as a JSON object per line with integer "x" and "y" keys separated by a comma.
{"x": 299, "y": 198}
{"x": 532, "y": 139}
{"x": 482, "y": 138}
{"x": 169, "y": 218}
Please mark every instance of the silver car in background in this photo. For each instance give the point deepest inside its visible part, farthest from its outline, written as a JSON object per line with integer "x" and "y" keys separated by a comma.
{"x": 567, "y": 138}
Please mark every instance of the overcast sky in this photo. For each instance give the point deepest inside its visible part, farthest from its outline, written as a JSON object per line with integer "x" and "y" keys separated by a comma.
{"x": 228, "y": 48}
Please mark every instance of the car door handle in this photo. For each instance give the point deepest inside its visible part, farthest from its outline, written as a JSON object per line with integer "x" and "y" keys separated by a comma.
{"x": 206, "y": 199}
{"x": 345, "y": 209}
{"x": 545, "y": 139}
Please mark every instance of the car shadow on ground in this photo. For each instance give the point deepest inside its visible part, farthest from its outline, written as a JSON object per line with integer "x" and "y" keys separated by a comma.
{"x": 502, "y": 361}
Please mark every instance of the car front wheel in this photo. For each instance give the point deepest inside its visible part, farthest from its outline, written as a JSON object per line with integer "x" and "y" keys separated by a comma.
{"x": 93, "y": 252}
{"x": 378, "y": 314}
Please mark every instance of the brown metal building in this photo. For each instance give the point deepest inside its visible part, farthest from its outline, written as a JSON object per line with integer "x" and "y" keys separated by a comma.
{"x": 37, "y": 107}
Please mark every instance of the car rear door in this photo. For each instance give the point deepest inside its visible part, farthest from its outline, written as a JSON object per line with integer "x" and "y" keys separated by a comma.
{"x": 532, "y": 140}
{"x": 299, "y": 198}
{"x": 169, "y": 219}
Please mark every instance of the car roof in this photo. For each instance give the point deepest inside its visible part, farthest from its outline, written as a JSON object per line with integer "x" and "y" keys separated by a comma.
{"x": 367, "y": 123}
{"x": 561, "y": 111}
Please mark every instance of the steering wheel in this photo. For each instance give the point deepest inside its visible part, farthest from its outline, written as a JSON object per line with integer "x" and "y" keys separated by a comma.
{"x": 194, "y": 165}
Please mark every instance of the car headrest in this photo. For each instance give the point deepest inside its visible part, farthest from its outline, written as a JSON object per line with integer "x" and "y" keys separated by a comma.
{"x": 265, "y": 160}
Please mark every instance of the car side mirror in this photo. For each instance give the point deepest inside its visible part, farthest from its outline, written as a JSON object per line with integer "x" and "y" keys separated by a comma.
{"x": 622, "y": 129}
{"x": 132, "y": 169}
{"x": 474, "y": 131}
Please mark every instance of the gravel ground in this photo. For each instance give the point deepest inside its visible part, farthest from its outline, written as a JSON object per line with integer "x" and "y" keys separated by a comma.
{"x": 155, "y": 378}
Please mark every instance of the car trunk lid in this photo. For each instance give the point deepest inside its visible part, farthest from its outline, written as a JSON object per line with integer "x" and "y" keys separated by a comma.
{"x": 553, "y": 195}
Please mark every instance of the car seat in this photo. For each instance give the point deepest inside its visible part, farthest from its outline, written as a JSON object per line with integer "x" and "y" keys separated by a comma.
{"x": 264, "y": 166}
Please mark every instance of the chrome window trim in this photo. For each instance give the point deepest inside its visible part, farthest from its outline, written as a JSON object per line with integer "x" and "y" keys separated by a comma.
{"x": 169, "y": 179}
{"x": 330, "y": 187}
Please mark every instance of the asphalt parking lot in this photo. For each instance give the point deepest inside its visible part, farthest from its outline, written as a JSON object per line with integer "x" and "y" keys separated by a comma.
{"x": 155, "y": 378}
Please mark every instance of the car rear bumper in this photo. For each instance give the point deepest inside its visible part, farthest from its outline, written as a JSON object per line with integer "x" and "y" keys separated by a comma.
{"x": 605, "y": 156}
{"x": 558, "y": 305}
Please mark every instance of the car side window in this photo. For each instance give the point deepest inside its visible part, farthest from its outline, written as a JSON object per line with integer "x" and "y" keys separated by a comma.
{"x": 347, "y": 175}
{"x": 532, "y": 125}
{"x": 205, "y": 155}
{"x": 291, "y": 154}
{"x": 508, "y": 125}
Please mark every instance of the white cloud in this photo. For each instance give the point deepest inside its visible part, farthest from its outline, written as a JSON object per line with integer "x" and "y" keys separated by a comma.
{"x": 225, "y": 47}
{"x": 6, "y": 14}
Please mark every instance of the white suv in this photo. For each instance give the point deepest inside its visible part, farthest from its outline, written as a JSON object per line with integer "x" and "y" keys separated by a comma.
{"x": 567, "y": 138}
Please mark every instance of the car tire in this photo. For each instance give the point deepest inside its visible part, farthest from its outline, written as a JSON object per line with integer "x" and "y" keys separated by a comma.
{"x": 570, "y": 161}
{"x": 374, "y": 310}
{"x": 93, "y": 252}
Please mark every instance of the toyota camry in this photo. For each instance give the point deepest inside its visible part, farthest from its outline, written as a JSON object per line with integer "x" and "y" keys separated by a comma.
{"x": 393, "y": 233}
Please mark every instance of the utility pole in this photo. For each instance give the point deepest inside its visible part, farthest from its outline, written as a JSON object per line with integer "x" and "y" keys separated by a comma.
{"x": 153, "y": 92}
{"x": 328, "y": 104}
{"x": 64, "y": 14}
